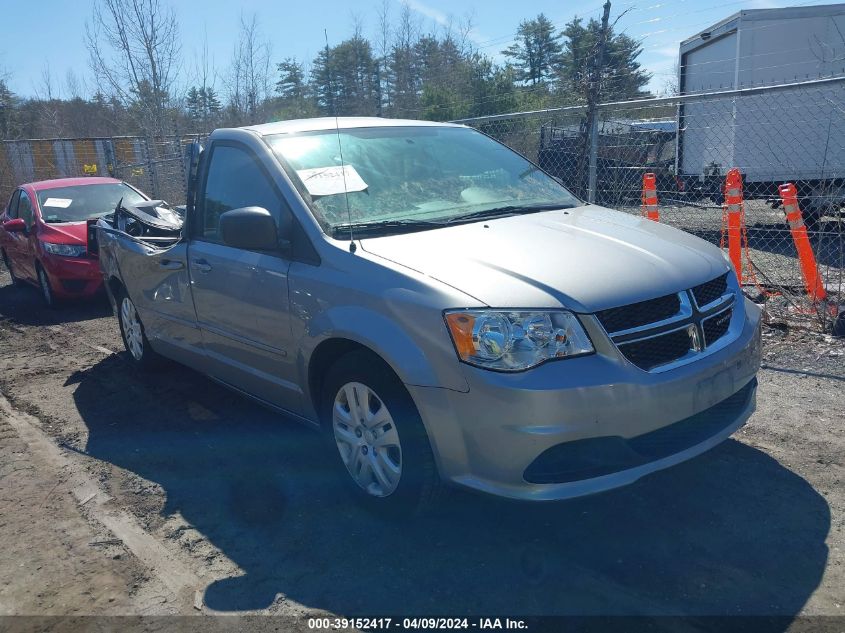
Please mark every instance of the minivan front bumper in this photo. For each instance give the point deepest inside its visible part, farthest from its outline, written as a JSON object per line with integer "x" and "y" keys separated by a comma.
{"x": 584, "y": 425}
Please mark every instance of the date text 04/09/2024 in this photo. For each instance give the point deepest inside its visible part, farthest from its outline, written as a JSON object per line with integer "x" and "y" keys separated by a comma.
{"x": 339, "y": 624}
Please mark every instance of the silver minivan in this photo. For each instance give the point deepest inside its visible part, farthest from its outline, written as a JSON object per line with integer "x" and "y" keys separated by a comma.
{"x": 443, "y": 310}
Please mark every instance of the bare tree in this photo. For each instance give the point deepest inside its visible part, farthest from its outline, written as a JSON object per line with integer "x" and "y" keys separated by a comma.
{"x": 249, "y": 75}
{"x": 465, "y": 28}
{"x": 74, "y": 85}
{"x": 134, "y": 53}
{"x": 46, "y": 92}
{"x": 383, "y": 52}
{"x": 672, "y": 83}
{"x": 46, "y": 104}
{"x": 206, "y": 72}
{"x": 201, "y": 102}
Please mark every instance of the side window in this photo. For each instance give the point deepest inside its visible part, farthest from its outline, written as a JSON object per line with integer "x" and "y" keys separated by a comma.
{"x": 235, "y": 179}
{"x": 25, "y": 208}
{"x": 12, "y": 210}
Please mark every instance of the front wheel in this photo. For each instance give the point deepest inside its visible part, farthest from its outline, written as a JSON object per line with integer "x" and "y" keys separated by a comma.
{"x": 46, "y": 289}
{"x": 133, "y": 334}
{"x": 382, "y": 450}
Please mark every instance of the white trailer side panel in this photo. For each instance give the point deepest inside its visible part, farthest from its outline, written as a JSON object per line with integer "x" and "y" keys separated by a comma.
{"x": 796, "y": 134}
{"x": 789, "y": 135}
{"x": 707, "y": 127}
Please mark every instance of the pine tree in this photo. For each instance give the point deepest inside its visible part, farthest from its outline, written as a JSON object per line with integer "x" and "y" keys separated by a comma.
{"x": 345, "y": 79}
{"x": 294, "y": 99}
{"x": 212, "y": 107}
{"x": 194, "y": 105}
{"x": 536, "y": 51}
{"x": 621, "y": 75}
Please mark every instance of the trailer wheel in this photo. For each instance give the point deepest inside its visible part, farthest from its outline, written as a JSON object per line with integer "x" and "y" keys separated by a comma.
{"x": 811, "y": 213}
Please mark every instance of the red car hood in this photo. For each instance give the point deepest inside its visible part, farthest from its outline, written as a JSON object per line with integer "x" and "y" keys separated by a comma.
{"x": 65, "y": 233}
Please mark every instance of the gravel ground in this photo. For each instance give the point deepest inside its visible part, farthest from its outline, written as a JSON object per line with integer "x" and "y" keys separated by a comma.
{"x": 165, "y": 493}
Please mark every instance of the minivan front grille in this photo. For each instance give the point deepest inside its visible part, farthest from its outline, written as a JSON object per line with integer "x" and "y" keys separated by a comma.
{"x": 709, "y": 291}
{"x": 639, "y": 314}
{"x": 657, "y": 333}
{"x": 658, "y": 350}
{"x": 716, "y": 327}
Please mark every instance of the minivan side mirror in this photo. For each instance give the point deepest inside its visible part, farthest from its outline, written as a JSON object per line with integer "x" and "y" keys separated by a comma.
{"x": 16, "y": 225}
{"x": 250, "y": 228}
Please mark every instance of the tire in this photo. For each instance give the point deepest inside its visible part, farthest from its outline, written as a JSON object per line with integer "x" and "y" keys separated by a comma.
{"x": 135, "y": 341}
{"x": 839, "y": 326}
{"x": 813, "y": 221}
{"x": 391, "y": 436}
{"x": 45, "y": 288}
{"x": 8, "y": 264}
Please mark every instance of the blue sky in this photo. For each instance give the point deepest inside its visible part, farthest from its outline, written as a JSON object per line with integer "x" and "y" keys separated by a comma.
{"x": 51, "y": 31}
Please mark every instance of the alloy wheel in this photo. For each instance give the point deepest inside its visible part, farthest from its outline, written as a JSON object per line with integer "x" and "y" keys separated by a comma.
{"x": 367, "y": 439}
{"x": 44, "y": 283}
{"x": 132, "y": 331}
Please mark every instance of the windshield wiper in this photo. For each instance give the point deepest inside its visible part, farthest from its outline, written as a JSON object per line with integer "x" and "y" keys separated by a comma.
{"x": 511, "y": 209}
{"x": 343, "y": 230}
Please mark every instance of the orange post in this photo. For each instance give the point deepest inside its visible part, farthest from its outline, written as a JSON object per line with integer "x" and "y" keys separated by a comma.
{"x": 809, "y": 269}
{"x": 733, "y": 207}
{"x": 650, "y": 209}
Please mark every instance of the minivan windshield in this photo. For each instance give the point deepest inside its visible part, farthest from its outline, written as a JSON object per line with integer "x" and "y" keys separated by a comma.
{"x": 78, "y": 203}
{"x": 412, "y": 177}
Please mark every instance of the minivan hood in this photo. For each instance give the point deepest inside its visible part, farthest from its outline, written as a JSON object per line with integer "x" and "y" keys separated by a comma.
{"x": 586, "y": 258}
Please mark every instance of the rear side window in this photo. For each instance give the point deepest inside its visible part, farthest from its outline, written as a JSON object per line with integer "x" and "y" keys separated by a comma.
{"x": 235, "y": 179}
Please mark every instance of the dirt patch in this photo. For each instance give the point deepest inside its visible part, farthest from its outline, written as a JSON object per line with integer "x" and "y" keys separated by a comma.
{"x": 55, "y": 560}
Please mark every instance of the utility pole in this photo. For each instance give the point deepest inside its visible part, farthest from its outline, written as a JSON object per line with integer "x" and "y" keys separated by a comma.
{"x": 592, "y": 101}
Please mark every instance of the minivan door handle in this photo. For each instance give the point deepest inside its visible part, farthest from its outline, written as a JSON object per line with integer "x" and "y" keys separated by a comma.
{"x": 201, "y": 265}
{"x": 169, "y": 264}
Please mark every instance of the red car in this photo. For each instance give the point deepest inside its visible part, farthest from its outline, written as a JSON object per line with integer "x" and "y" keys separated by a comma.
{"x": 43, "y": 233}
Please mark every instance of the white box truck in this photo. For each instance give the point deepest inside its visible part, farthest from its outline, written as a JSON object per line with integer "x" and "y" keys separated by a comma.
{"x": 792, "y": 134}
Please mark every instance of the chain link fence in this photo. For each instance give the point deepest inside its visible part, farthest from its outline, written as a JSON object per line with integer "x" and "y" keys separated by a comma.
{"x": 153, "y": 165}
{"x": 774, "y": 135}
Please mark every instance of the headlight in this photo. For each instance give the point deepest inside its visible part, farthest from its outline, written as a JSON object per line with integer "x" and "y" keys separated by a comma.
{"x": 516, "y": 340}
{"x": 66, "y": 250}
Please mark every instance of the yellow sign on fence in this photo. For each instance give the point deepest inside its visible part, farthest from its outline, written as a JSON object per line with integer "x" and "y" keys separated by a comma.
{"x": 89, "y": 169}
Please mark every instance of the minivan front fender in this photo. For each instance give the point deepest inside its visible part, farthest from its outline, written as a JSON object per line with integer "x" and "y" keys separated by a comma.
{"x": 393, "y": 344}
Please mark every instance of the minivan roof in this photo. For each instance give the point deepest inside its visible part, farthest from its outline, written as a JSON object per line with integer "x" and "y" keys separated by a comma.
{"x": 343, "y": 122}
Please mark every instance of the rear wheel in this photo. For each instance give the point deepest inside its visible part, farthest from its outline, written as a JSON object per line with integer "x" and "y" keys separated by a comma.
{"x": 381, "y": 449}
{"x": 133, "y": 334}
{"x": 8, "y": 263}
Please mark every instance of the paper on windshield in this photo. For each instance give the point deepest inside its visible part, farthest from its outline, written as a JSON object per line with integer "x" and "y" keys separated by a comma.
{"x": 330, "y": 181}
{"x": 61, "y": 203}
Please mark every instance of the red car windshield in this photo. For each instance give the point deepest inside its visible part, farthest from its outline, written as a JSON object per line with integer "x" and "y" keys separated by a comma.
{"x": 83, "y": 202}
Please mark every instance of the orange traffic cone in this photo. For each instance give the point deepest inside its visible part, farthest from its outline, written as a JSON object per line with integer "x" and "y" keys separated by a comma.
{"x": 734, "y": 212}
{"x": 649, "y": 208}
{"x": 806, "y": 258}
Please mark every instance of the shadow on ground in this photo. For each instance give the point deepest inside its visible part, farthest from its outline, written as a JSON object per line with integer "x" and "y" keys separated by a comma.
{"x": 23, "y": 304}
{"x": 732, "y": 532}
